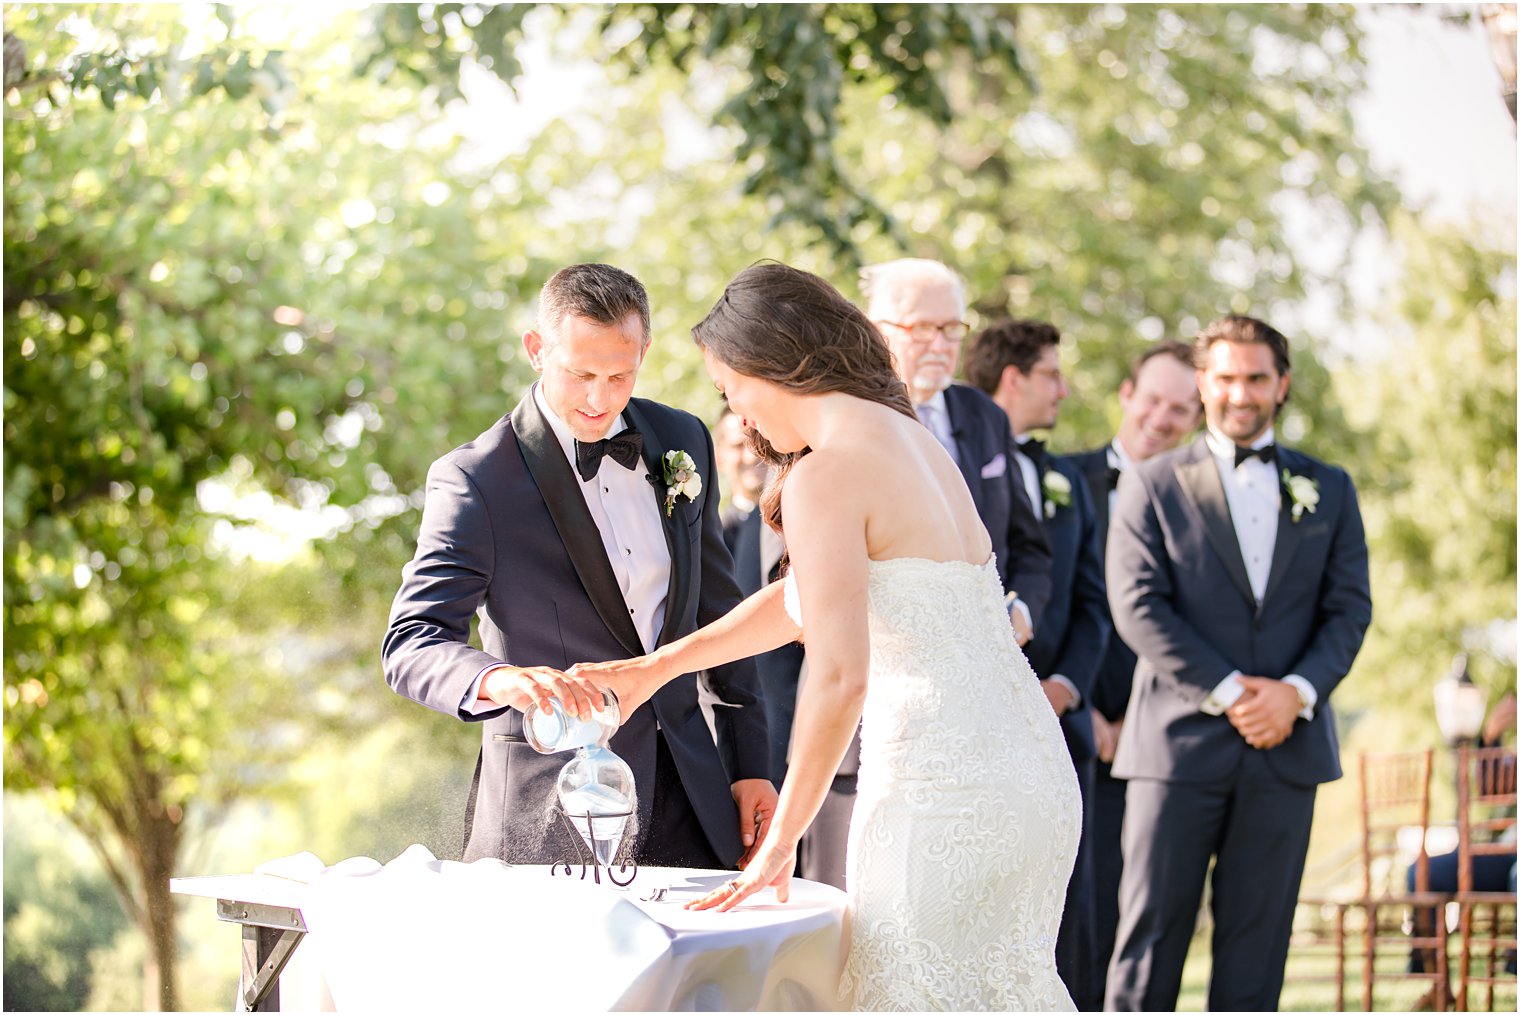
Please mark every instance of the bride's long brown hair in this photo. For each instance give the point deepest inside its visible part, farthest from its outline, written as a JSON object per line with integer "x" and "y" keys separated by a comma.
{"x": 790, "y": 327}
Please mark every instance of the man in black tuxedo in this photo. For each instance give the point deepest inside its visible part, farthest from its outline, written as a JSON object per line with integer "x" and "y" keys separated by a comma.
{"x": 1018, "y": 364}
{"x": 757, "y": 552}
{"x": 1158, "y": 405}
{"x": 573, "y": 546}
{"x": 920, "y": 308}
{"x": 1237, "y": 571}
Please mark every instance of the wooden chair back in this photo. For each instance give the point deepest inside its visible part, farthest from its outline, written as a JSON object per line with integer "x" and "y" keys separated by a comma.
{"x": 1395, "y": 796}
{"x": 1485, "y": 807}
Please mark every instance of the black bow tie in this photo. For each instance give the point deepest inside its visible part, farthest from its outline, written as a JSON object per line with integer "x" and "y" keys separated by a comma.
{"x": 1114, "y": 472}
{"x": 1267, "y": 453}
{"x": 1033, "y": 448}
{"x": 623, "y": 448}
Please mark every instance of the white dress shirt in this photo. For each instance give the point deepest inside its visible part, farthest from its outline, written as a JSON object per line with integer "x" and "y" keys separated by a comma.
{"x": 627, "y": 515}
{"x": 1119, "y": 459}
{"x": 1031, "y": 476}
{"x": 1253, "y": 492}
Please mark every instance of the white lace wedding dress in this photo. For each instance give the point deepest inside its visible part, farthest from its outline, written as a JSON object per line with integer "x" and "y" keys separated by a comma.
{"x": 968, "y": 812}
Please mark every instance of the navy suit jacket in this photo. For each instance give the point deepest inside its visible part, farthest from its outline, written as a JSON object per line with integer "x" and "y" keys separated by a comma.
{"x": 1116, "y": 673}
{"x": 506, "y": 534}
{"x": 984, "y": 452}
{"x": 1073, "y": 637}
{"x": 779, "y": 668}
{"x": 1180, "y": 597}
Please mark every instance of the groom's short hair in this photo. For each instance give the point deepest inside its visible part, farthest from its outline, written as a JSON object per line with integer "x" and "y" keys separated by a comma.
{"x": 596, "y": 292}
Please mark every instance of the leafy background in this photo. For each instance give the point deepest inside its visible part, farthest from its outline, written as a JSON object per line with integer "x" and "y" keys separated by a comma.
{"x": 260, "y": 269}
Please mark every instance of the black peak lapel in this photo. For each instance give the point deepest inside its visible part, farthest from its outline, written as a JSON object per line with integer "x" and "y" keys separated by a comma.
{"x": 1095, "y": 468}
{"x": 560, "y": 489}
{"x": 1199, "y": 478}
{"x": 673, "y": 524}
{"x": 1289, "y": 532}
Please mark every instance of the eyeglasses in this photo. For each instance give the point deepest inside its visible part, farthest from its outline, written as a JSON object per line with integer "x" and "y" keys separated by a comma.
{"x": 923, "y": 332}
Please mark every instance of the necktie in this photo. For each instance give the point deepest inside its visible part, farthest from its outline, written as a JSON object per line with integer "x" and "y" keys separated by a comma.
{"x": 623, "y": 448}
{"x": 1113, "y": 477}
{"x": 1267, "y": 453}
{"x": 938, "y": 424}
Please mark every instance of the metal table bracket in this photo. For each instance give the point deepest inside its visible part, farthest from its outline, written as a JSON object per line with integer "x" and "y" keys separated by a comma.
{"x": 270, "y": 937}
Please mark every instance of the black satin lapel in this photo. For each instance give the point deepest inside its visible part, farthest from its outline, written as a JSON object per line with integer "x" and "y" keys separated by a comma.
{"x": 970, "y": 469}
{"x": 673, "y": 524}
{"x": 561, "y": 492}
{"x": 1096, "y": 474}
{"x": 1289, "y": 532}
{"x": 1199, "y": 477}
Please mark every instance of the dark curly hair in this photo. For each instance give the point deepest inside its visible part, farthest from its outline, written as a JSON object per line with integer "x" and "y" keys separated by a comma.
{"x": 790, "y": 327}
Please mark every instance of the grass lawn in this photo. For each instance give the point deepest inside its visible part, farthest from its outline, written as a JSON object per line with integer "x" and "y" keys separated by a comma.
{"x": 1400, "y": 995}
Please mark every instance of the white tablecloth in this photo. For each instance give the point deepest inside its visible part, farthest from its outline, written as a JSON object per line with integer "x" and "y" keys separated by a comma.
{"x": 421, "y": 934}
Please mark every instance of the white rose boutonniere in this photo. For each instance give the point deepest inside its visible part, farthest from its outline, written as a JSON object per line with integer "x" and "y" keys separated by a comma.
{"x": 1302, "y": 492}
{"x": 681, "y": 479}
{"x": 1057, "y": 491}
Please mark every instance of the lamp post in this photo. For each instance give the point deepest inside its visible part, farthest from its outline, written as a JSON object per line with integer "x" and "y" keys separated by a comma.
{"x": 1460, "y": 705}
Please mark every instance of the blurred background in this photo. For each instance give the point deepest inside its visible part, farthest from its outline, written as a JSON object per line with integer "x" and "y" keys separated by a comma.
{"x": 263, "y": 264}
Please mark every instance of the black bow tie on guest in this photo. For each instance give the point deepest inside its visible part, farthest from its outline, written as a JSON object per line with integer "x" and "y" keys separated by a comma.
{"x": 1267, "y": 453}
{"x": 1033, "y": 448}
{"x": 623, "y": 448}
{"x": 1114, "y": 472}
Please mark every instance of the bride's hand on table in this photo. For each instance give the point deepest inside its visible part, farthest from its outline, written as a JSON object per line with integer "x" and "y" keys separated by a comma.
{"x": 770, "y": 866}
{"x": 634, "y": 680}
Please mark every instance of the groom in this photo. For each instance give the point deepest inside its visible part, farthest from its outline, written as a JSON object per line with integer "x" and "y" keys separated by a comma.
{"x": 558, "y": 529}
{"x": 1237, "y": 571}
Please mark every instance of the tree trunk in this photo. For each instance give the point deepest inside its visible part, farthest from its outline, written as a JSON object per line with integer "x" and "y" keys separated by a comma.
{"x": 156, "y": 866}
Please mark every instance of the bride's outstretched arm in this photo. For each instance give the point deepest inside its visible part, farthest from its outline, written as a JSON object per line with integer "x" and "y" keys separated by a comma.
{"x": 825, "y": 507}
{"x": 756, "y": 625}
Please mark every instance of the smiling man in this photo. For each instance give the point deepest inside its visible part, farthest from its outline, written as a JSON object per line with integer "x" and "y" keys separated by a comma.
{"x": 1237, "y": 571}
{"x": 1159, "y": 408}
{"x": 556, "y": 528}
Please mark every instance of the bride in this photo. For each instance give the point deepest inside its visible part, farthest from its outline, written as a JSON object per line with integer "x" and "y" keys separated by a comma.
{"x": 967, "y": 816}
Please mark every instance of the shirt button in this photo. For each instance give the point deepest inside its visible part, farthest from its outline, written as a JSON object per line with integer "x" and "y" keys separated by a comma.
{"x": 606, "y": 490}
{"x": 628, "y": 551}
{"x": 630, "y": 609}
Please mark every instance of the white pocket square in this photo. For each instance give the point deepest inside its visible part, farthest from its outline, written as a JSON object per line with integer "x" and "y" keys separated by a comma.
{"x": 996, "y": 467}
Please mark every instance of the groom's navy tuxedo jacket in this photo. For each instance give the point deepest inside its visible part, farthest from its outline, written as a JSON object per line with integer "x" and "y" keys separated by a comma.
{"x": 506, "y": 534}
{"x": 984, "y": 452}
{"x": 1181, "y": 599}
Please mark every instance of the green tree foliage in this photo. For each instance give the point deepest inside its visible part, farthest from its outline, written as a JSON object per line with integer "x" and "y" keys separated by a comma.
{"x": 252, "y": 273}
{"x": 1143, "y": 189}
{"x": 58, "y": 915}
{"x": 1438, "y": 481}
{"x": 1124, "y": 171}
{"x": 197, "y": 289}
{"x": 792, "y": 64}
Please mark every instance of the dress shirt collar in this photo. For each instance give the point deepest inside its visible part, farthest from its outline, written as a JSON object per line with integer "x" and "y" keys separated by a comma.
{"x": 1118, "y": 458}
{"x": 1223, "y": 449}
{"x": 936, "y": 402}
{"x": 739, "y": 502}
{"x": 562, "y": 429}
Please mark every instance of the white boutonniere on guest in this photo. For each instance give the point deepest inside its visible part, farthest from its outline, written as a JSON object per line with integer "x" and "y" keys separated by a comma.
{"x": 1302, "y": 491}
{"x": 1057, "y": 491}
{"x": 681, "y": 479}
